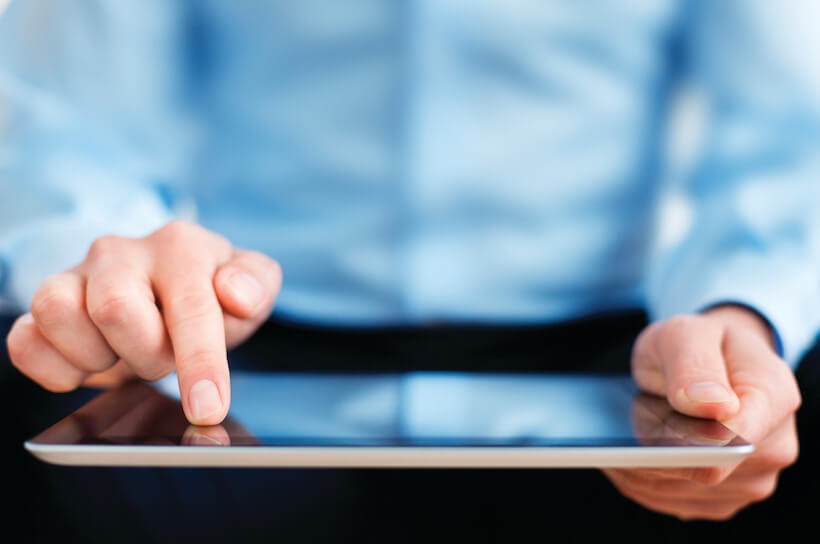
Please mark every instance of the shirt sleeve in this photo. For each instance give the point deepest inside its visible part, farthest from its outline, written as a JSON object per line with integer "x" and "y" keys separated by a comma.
{"x": 93, "y": 138}
{"x": 753, "y": 192}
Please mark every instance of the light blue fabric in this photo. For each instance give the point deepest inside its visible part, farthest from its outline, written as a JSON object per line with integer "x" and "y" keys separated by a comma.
{"x": 431, "y": 160}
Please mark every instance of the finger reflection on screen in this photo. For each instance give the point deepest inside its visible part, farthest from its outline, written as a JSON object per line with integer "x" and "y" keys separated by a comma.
{"x": 212, "y": 435}
{"x": 219, "y": 435}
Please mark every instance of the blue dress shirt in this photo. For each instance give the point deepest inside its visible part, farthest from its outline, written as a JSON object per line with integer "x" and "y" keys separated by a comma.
{"x": 430, "y": 160}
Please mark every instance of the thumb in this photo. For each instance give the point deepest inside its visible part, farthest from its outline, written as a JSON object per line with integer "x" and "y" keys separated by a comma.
{"x": 246, "y": 287}
{"x": 686, "y": 353}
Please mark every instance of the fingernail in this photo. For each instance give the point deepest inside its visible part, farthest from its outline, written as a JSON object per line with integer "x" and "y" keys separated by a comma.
{"x": 204, "y": 399}
{"x": 246, "y": 288}
{"x": 708, "y": 392}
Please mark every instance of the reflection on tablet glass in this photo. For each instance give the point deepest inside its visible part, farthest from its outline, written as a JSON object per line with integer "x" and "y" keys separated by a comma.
{"x": 413, "y": 409}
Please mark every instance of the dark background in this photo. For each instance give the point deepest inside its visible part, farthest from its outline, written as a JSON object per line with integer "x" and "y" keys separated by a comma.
{"x": 110, "y": 504}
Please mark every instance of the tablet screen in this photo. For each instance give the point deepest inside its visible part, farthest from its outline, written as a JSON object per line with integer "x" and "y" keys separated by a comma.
{"x": 420, "y": 418}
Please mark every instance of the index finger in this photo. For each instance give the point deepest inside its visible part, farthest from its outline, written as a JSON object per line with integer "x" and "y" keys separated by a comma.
{"x": 195, "y": 325}
{"x": 194, "y": 321}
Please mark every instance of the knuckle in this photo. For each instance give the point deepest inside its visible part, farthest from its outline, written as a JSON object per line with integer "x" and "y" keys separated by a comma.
{"x": 785, "y": 455}
{"x": 792, "y": 393}
{"x": 18, "y": 340}
{"x": 177, "y": 231}
{"x": 796, "y": 399}
{"x": 710, "y": 476}
{"x": 761, "y": 490}
{"x": 190, "y": 306}
{"x": 112, "y": 307}
{"x": 105, "y": 245}
{"x": 198, "y": 361}
{"x": 183, "y": 233}
{"x": 782, "y": 386}
{"x": 54, "y": 303}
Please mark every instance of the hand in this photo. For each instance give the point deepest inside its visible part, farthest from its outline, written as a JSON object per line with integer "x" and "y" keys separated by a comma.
{"x": 720, "y": 365}
{"x": 176, "y": 299}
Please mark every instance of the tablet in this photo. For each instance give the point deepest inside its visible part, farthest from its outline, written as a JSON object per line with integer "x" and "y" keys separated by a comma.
{"x": 393, "y": 419}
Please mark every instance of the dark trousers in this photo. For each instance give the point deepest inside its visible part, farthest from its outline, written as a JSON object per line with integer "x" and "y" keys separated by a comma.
{"x": 110, "y": 504}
